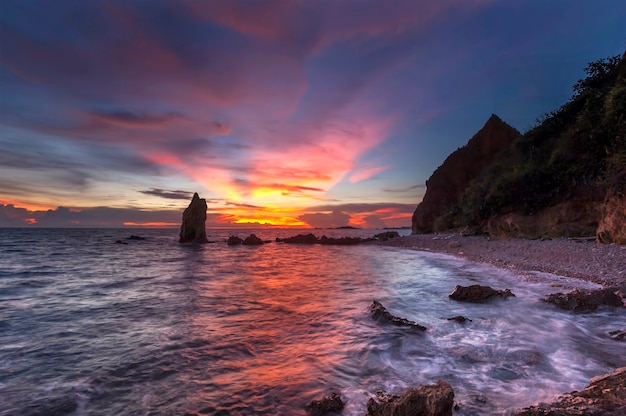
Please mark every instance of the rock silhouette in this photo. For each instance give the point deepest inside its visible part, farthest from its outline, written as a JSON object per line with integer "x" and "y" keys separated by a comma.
{"x": 252, "y": 240}
{"x": 192, "y": 229}
{"x": 233, "y": 240}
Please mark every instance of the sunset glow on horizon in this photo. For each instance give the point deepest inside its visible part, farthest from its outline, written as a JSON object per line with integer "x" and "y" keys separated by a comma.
{"x": 282, "y": 113}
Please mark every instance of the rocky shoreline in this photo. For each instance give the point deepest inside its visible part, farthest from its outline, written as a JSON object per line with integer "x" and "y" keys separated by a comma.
{"x": 583, "y": 259}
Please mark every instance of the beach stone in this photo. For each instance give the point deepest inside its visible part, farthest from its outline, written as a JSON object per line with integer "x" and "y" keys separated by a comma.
{"x": 252, "y": 240}
{"x": 380, "y": 313}
{"x": 233, "y": 240}
{"x": 605, "y": 395}
{"x": 425, "y": 400}
{"x": 478, "y": 293}
{"x": 584, "y": 300}
{"x": 327, "y": 405}
{"x": 192, "y": 229}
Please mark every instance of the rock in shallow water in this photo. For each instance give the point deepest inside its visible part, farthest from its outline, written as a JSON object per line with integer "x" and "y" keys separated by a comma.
{"x": 192, "y": 229}
{"x": 478, "y": 293}
{"x": 427, "y": 400}
{"x": 328, "y": 405}
{"x": 460, "y": 319}
{"x": 582, "y": 300}
{"x": 233, "y": 240}
{"x": 380, "y": 313}
{"x": 252, "y": 240}
{"x": 605, "y": 395}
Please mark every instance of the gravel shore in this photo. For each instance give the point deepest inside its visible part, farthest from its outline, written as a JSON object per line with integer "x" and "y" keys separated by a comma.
{"x": 583, "y": 259}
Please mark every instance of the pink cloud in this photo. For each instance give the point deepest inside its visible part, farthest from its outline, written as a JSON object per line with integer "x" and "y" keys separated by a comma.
{"x": 366, "y": 174}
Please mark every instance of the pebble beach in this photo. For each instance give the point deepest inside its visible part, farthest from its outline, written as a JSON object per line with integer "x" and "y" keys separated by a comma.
{"x": 584, "y": 259}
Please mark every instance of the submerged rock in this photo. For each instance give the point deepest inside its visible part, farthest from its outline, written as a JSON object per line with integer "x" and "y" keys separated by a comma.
{"x": 478, "y": 293}
{"x": 328, "y": 405}
{"x": 120, "y": 242}
{"x": 583, "y": 300}
{"x": 427, "y": 400}
{"x": 619, "y": 334}
{"x": 605, "y": 395}
{"x": 135, "y": 237}
{"x": 380, "y": 313}
{"x": 233, "y": 240}
{"x": 192, "y": 229}
{"x": 460, "y": 319}
{"x": 252, "y": 240}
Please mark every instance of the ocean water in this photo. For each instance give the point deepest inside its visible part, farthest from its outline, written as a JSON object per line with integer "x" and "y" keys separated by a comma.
{"x": 154, "y": 327}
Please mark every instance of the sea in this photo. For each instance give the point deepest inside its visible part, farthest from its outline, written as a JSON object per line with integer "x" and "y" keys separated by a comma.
{"x": 155, "y": 327}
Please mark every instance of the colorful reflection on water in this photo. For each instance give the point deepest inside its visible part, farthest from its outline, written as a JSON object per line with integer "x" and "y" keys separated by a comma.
{"x": 155, "y": 327}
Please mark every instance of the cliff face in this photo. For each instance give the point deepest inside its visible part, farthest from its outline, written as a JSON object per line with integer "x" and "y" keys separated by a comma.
{"x": 563, "y": 177}
{"x": 446, "y": 185}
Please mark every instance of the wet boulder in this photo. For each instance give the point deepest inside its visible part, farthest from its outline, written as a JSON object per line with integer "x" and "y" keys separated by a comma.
{"x": 605, "y": 395}
{"x": 252, "y": 240}
{"x": 380, "y": 313}
{"x": 427, "y": 400}
{"x": 584, "y": 300}
{"x": 331, "y": 404}
{"x": 233, "y": 240}
{"x": 478, "y": 293}
{"x": 192, "y": 229}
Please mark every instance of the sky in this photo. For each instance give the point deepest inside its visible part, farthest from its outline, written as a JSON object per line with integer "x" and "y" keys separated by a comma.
{"x": 310, "y": 113}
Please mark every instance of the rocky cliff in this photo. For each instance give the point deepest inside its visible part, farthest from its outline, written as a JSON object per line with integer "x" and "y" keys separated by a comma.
{"x": 445, "y": 187}
{"x": 563, "y": 177}
{"x": 193, "y": 227}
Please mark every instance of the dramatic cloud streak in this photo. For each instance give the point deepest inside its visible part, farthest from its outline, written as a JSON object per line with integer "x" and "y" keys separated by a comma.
{"x": 267, "y": 108}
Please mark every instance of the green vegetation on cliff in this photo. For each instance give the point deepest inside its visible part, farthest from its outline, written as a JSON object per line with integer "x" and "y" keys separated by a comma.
{"x": 573, "y": 153}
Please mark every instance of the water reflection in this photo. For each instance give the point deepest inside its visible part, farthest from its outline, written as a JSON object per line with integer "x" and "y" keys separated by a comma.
{"x": 156, "y": 327}
{"x": 277, "y": 325}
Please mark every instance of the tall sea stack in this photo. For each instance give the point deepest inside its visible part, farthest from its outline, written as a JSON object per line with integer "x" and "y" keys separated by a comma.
{"x": 193, "y": 228}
